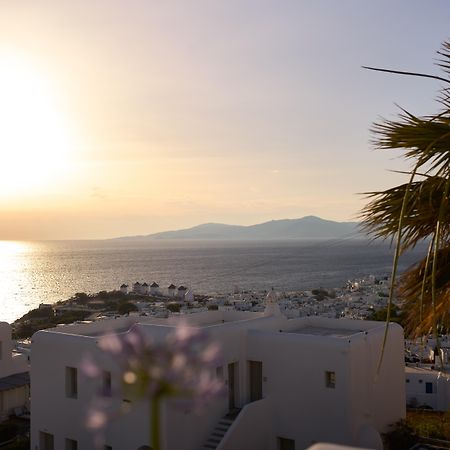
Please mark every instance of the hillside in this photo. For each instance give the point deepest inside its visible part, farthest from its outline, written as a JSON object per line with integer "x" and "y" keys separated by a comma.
{"x": 309, "y": 227}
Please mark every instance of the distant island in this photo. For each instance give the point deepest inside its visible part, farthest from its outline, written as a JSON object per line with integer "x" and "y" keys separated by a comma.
{"x": 309, "y": 227}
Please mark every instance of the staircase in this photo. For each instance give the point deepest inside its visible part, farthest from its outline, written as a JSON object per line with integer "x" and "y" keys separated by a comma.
{"x": 220, "y": 430}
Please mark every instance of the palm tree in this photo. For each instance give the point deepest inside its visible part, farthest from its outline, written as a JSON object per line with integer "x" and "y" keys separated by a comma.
{"x": 419, "y": 209}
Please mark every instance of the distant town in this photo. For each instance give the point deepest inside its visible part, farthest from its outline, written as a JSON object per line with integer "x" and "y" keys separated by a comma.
{"x": 364, "y": 298}
{"x": 316, "y": 317}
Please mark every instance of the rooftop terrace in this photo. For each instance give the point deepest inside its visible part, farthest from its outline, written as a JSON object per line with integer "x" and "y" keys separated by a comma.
{"x": 325, "y": 331}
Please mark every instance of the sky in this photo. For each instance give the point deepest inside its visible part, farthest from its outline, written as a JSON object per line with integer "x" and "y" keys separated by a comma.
{"x": 124, "y": 118}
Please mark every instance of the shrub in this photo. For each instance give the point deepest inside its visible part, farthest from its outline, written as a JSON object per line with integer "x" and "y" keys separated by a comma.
{"x": 7, "y": 431}
{"x": 126, "y": 308}
{"x": 21, "y": 443}
{"x": 39, "y": 313}
{"x": 173, "y": 307}
{"x": 401, "y": 437}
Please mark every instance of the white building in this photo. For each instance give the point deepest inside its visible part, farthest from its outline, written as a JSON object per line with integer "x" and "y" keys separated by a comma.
{"x": 171, "y": 290}
{"x": 137, "y": 287}
{"x": 124, "y": 289}
{"x": 145, "y": 288}
{"x": 154, "y": 289}
{"x": 181, "y": 292}
{"x": 189, "y": 296}
{"x": 14, "y": 376}
{"x": 427, "y": 387}
{"x": 296, "y": 382}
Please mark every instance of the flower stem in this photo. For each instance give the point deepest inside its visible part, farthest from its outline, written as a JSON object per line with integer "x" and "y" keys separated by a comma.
{"x": 155, "y": 423}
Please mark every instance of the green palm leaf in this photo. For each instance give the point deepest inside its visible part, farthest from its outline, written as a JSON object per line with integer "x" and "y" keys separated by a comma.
{"x": 418, "y": 210}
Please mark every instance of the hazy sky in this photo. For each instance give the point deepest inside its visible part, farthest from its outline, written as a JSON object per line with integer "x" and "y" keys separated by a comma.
{"x": 131, "y": 117}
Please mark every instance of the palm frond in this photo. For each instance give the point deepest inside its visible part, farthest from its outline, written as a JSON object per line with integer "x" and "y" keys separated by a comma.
{"x": 424, "y": 140}
{"x": 420, "y": 313}
{"x": 419, "y": 210}
{"x": 381, "y": 216}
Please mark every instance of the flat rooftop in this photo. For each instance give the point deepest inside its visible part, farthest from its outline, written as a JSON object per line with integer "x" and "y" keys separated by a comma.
{"x": 326, "y": 331}
{"x": 14, "y": 381}
{"x": 426, "y": 369}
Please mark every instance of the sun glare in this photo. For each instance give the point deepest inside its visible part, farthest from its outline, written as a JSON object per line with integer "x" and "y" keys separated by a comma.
{"x": 35, "y": 143}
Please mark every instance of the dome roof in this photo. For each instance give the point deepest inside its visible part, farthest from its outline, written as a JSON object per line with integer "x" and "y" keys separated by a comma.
{"x": 369, "y": 437}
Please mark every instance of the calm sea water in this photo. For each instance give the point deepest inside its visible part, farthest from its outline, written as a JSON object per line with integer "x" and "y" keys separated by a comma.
{"x": 35, "y": 272}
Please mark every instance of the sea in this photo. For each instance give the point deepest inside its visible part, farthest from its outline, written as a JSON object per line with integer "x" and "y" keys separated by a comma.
{"x": 48, "y": 271}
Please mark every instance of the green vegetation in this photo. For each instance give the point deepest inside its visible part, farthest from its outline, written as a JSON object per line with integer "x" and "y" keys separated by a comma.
{"x": 430, "y": 424}
{"x": 31, "y": 322}
{"x": 321, "y": 294}
{"x": 400, "y": 437}
{"x": 173, "y": 307}
{"x": 7, "y": 431}
{"x": 21, "y": 443}
{"x": 381, "y": 315}
{"x": 126, "y": 308}
{"x": 418, "y": 210}
{"x": 39, "y": 313}
{"x": 79, "y": 307}
{"x": 419, "y": 425}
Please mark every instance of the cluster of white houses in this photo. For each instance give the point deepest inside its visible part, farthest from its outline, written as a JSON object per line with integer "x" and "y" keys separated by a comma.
{"x": 428, "y": 385}
{"x": 291, "y": 382}
{"x": 295, "y": 382}
{"x": 357, "y": 300}
{"x": 14, "y": 377}
{"x": 172, "y": 292}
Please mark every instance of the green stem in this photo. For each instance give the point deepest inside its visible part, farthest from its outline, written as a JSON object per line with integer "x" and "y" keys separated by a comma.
{"x": 394, "y": 270}
{"x": 422, "y": 294}
{"x": 155, "y": 423}
{"x": 442, "y": 211}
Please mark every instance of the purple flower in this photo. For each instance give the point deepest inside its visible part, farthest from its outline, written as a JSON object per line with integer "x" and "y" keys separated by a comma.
{"x": 181, "y": 367}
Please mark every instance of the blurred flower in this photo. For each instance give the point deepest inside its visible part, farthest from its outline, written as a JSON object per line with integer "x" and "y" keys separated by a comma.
{"x": 181, "y": 367}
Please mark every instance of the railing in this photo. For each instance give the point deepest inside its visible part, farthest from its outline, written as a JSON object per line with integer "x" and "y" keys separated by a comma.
{"x": 252, "y": 428}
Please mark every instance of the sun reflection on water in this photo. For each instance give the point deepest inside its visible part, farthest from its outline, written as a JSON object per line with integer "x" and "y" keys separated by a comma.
{"x": 14, "y": 277}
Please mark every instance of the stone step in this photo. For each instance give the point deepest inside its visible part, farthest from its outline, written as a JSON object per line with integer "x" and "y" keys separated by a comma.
{"x": 219, "y": 434}
{"x": 226, "y": 421}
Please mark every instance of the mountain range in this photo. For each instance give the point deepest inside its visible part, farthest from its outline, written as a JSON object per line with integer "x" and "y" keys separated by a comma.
{"x": 309, "y": 227}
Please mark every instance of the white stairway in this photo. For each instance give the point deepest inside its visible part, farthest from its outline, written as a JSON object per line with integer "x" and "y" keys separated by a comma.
{"x": 220, "y": 430}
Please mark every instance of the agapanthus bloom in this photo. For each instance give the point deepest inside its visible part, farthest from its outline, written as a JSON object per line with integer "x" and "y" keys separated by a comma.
{"x": 180, "y": 366}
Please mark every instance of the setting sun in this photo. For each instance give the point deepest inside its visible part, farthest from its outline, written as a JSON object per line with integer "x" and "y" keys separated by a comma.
{"x": 35, "y": 142}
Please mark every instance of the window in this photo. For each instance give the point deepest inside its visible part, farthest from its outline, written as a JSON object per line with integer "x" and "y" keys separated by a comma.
{"x": 71, "y": 382}
{"x": 46, "y": 441}
{"x": 107, "y": 447}
{"x": 428, "y": 388}
{"x": 106, "y": 384}
{"x": 407, "y": 380}
{"x": 285, "y": 444}
{"x": 330, "y": 379}
{"x": 71, "y": 444}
